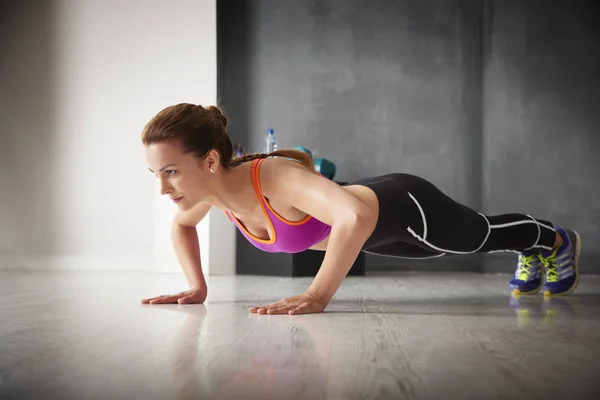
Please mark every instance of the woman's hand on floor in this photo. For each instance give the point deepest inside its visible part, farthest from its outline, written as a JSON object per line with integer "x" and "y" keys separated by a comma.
{"x": 305, "y": 303}
{"x": 192, "y": 296}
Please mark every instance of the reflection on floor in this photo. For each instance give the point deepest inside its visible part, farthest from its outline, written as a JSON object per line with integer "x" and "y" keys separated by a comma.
{"x": 414, "y": 336}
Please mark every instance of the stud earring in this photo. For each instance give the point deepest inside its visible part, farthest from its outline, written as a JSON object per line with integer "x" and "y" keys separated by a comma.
{"x": 212, "y": 171}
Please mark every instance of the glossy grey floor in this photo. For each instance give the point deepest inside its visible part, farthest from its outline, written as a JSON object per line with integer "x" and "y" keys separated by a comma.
{"x": 411, "y": 335}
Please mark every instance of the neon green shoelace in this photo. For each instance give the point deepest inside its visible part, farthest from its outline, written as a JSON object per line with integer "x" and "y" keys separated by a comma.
{"x": 525, "y": 267}
{"x": 550, "y": 264}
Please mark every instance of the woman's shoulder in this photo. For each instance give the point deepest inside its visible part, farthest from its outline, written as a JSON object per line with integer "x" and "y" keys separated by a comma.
{"x": 274, "y": 168}
{"x": 278, "y": 174}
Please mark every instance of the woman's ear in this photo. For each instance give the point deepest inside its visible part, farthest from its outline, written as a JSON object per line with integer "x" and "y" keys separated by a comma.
{"x": 212, "y": 161}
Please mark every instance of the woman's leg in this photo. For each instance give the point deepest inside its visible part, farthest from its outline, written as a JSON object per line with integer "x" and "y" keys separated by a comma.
{"x": 404, "y": 250}
{"x": 414, "y": 211}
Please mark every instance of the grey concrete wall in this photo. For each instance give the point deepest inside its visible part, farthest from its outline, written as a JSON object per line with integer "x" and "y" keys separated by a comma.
{"x": 542, "y": 117}
{"x": 375, "y": 86}
{"x": 491, "y": 101}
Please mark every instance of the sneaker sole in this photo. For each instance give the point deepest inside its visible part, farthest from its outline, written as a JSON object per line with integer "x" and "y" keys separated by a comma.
{"x": 517, "y": 292}
{"x": 572, "y": 288}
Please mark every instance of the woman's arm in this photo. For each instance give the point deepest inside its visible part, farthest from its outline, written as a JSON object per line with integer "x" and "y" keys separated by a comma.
{"x": 187, "y": 249}
{"x": 185, "y": 242}
{"x": 351, "y": 220}
{"x": 348, "y": 234}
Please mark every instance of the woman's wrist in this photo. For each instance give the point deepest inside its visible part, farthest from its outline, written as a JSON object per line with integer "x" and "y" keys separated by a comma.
{"x": 198, "y": 284}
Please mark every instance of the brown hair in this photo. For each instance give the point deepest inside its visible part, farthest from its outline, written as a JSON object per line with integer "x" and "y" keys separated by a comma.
{"x": 200, "y": 129}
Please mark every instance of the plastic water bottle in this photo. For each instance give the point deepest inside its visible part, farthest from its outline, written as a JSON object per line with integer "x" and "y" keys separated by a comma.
{"x": 271, "y": 142}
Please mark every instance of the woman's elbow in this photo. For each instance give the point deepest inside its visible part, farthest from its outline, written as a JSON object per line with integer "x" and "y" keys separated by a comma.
{"x": 363, "y": 219}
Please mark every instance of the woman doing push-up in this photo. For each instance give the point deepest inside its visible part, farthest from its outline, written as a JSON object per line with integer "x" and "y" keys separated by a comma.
{"x": 281, "y": 204}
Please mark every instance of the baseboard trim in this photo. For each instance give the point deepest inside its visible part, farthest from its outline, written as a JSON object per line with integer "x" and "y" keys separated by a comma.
{"x": 589, "y": 264}
{"x": 86, "y": 263}
{"x": 501, "y": 263}
{"x": 463, "y": 263}
{"x": 9, "y": 261}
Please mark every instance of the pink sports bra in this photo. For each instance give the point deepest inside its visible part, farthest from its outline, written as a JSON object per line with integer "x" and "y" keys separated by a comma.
{"x": 288, "y": 236}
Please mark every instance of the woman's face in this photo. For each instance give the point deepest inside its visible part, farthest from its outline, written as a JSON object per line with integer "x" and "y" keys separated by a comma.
{"x": 183, "y": 177}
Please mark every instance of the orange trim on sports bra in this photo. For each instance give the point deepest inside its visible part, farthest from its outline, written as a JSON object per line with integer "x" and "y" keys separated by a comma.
{"x": 271, "y": 240}
{"x": 262, "y": 197}
{"x": 265, "y": 241}
{"x": 264, "y": 202}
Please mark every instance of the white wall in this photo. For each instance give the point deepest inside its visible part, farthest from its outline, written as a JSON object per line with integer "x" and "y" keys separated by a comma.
{"x": 82, "y": 79}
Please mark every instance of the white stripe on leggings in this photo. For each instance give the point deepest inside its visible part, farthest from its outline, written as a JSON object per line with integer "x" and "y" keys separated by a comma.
{"x": 521, "y": 223}
{"x": 422, "y": 215}
{"x": 423, "y": 239}
{"x": 533, "y": 221}
{"x": 409, "y": 258}
{"x": 490, "y": 227}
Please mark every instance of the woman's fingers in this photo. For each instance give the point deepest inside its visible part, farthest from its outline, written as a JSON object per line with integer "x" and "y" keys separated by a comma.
{"x": 187, "y": 297}
{"x": 263, "y": 309}
{"x": 280, "y": 307}
{"x": 280, "y": 310}
{"x": 166, "y": 299}
{"x": 302, "y": 304}
{"x": 148, "y": 300}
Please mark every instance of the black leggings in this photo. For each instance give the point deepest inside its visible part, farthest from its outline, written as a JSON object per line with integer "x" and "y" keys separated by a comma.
{"x": 417, "y": 220}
